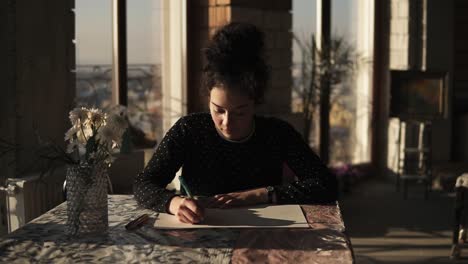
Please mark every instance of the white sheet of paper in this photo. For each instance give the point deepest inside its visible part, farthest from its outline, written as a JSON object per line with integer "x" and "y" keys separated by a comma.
{"x": 272, "y": 216}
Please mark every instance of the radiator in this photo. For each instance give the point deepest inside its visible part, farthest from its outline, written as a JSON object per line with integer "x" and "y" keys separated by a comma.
{"x": 29, "y": 197}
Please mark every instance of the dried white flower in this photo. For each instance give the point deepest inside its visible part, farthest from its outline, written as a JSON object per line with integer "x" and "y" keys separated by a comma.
{"x": 106, "y": 131}
{"x": 82, "y": 150}
{"x": 83, "y": 134}
{"x": 97, "y": 117}
{"x": 69, "y": 135}
{"x": 72, "y": 146}
{"x": 106, "y": 135}
{"x": 118, "y": 123}
{"x": 79, "y": 116}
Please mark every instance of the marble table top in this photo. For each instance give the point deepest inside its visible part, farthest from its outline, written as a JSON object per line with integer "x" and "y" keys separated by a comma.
{"x": 44, "y": 240}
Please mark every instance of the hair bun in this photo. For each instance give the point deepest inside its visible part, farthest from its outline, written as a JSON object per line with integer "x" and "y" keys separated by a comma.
{"x": 235, "y": 61}
{"x": 236, "y": 46}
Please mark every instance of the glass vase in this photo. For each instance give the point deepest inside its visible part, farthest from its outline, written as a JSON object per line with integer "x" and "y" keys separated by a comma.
{"x": 86, "y": 191}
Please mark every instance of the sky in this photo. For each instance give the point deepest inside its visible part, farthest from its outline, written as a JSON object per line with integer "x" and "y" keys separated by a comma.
{"x": 94, "y": 31}
{"x": 93, "y": 28}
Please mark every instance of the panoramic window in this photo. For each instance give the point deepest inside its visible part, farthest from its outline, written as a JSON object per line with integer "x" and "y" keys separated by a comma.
{"x": 94, "y": 63}
{"x": 350, "y": 69}
{"x": 93, "y": 53}
{"x": 144, "y": 34}
{"x": 350, "y": 102}
{"x": 304, "y": 95}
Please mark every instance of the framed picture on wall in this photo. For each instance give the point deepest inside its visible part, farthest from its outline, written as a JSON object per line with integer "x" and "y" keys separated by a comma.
{"x": 418, "y": 95}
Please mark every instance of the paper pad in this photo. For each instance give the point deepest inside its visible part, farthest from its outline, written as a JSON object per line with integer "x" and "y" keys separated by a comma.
{"x": 273, "y": 216}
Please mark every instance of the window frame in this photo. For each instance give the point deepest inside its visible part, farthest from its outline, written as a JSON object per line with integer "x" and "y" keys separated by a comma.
{"x": 174, "y": 58}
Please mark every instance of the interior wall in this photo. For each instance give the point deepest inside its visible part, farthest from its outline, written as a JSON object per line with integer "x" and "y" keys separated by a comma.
{"x": 381, "y": 88}
{"x": 7, "y": 113}
{"x": 37, "y": 82}
{"x": 39, "y": 86}
{"x": 439, "y": 57}
{"x": 7, "y": 80}
{"x": 401, "y": 26}
{"x": 421, "y": 38}
{"x": 460, "y": 81}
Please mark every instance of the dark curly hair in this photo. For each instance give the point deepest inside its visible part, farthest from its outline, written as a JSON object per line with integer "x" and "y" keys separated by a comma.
{"x": 235, "y": 61}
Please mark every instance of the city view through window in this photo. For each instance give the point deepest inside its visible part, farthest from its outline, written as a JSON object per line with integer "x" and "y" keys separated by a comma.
{"x": 94, "y": 61}
{"x": 350, "y": 89}
{"x": 144, "y": 37}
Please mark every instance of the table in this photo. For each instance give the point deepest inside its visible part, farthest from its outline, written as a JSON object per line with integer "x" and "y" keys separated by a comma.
{"x": 44, "y": 240}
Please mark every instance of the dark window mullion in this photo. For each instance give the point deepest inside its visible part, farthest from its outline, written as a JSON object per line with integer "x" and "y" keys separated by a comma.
{"x": 324, "y": 145}
{"x": 119, "y": 52}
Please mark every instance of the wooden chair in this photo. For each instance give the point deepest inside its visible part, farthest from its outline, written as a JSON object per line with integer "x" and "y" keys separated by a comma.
{"x": 414, "y": 156}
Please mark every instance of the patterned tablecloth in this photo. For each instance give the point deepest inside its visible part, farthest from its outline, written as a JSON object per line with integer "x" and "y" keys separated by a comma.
{"x": 43, "y": 240}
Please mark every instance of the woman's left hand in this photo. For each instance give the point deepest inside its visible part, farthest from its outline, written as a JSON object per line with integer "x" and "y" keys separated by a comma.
{"x": 249, "y": 197}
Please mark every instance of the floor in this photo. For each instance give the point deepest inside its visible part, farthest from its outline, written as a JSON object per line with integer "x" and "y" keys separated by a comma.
{"x": 384, "y": 228}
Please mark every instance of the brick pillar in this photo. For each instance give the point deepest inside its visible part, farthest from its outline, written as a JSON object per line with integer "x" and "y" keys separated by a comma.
{"x": 272, "y": 17}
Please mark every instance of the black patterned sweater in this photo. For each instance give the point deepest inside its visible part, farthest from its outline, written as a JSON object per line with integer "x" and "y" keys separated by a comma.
{"x": 212, "y": 165}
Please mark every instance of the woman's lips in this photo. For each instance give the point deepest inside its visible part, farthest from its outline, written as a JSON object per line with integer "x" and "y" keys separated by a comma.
{"x": 228, "y": 130}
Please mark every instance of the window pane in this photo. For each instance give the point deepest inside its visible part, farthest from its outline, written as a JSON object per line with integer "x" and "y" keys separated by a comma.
{"x": 350, "y": 113}
{"x": 304, "y": 26}
{"x": 144, "y": 35}
{"x": 93, "y": 53}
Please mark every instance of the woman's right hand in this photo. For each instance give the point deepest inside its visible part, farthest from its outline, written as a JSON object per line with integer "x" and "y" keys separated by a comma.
{"x": 186, "y": 210}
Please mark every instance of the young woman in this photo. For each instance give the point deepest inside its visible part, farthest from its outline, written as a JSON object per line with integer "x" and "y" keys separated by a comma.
{"x": 230, "y": 154}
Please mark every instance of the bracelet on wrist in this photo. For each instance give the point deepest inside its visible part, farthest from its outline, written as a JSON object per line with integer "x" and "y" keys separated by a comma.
{"x": 271, "y": 194}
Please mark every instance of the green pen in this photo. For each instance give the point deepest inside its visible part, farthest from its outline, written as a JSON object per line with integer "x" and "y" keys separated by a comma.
{"x": 183, "y": 184}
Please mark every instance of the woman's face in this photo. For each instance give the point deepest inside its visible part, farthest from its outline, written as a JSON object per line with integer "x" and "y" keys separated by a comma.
{"x": 232, "y": 113}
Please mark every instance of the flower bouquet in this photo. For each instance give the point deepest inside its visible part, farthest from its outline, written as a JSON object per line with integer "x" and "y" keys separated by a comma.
{"x": 93, "y": 139}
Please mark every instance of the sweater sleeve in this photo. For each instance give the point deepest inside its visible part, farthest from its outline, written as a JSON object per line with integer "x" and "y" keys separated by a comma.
{"x": 315, "y": 182}
{"x": 150, "y": 185}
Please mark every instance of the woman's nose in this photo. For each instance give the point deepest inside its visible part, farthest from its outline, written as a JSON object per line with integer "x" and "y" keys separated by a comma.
{"x": 226, "y": 120}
